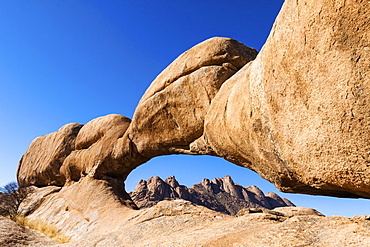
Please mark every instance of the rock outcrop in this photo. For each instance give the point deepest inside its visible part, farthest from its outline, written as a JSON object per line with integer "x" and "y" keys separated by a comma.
{"x": 220, "y": 194}
{"x": 14, "y": 235}
{"x": 93, "y": 147}
{"x": 179, "y": 98}
{"x": 175, "y": 103}
{"x": 182, "y": 223}
{"x": 41, "y": 163}
{"x": 83, "y": 207}
{"x": 72, "y": 152}
{"x": 296, "y": 113}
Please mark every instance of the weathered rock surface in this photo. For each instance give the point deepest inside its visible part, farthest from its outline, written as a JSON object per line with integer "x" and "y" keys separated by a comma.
{"x": 94, "y": 144}
{"x": 220, "y": 194}
{"x": 297, "y": 114}
{"x": 14, "y": 235}
{"x": 170, "y": 115}
{"x": 83, "y": 207}
{"x": 72, "y": 152}
{"x": 297, "y": 211}
{"x": 176, "y": 104}
{"x": 91, "y": 213}
{"x": 182, "y": 223}
{"x": 41, "y": 163}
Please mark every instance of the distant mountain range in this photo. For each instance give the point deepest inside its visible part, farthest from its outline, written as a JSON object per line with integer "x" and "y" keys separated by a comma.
{"x": 220, "y": 194}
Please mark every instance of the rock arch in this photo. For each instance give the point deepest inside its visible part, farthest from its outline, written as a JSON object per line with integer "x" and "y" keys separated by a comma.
{"x": 297, "y": 113}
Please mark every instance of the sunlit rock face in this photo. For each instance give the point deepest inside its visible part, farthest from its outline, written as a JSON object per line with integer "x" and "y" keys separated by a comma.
{"x": 296, "y": 113}
{"x": 168, "y": 118}
{"x": 41, "y": 163}
{"x": 94, "y": 144}
{"x": 170, "y": 115}
{"x": 72, "y": 152}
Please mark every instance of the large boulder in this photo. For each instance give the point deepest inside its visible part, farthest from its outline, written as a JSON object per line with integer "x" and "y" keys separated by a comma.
{"x": 298, "y": 114}
{"x": 89, "y": 206}
{"x": 171, "y": 113}
{"x": 93, "y": 147}
{"x": 41, "y": 163}
{"x": 72, "y": 152}
{"x": 168, "y": 118}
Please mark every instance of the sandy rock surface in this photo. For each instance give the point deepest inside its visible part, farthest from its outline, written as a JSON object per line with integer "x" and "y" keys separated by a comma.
{"x": 94, "y": 144}
{"x": 181, "y": 223}
{"x": 41, "y": 163}
{"x": 170, "y": 115}
{"x": 14, "y": 235}
{"x": 297, "y": 113}
{"x": 91, "y": 214}
{"x": 81, "y": 208}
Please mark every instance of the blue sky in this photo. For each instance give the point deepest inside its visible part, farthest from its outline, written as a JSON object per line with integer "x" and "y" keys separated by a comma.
{"x": 68, "y": 61}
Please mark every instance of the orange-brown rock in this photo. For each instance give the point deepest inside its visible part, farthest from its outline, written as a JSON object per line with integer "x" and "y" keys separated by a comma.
{"x": 41, "y": 163}
{"x": 171, "y": 113}
{"x": 72, "y": 152}
{"x": 181, "y": 223}
{"x": 88, "y": 206}
{"x": 298, "y": 114}
{"x": 217, "y": 51}
{"x": 168, "y": 118}
{"x": 94, "y": 144}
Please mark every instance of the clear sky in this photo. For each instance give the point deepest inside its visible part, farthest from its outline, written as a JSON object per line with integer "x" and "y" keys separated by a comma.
{"x": 65, "y": 61}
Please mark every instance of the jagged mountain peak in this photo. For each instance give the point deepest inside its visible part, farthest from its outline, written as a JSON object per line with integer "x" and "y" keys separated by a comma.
{"x": 172, "y": 181}
{"x": 219, "y": 194}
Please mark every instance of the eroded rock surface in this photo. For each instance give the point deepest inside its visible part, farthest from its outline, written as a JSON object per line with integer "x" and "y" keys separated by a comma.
{"x": 297, "y": 114}
{"x": 87, "y": 206}
{"x": 170, "y": 115}
{"x": 14, "y": 235}
{"x": 181, "y": 223}
{"x": 41, "y": 163}
{"x": 168, "y": 118}
{"x": 94, "y": 144}
{"x": 220, "y": 194}
{"x": 297, "y": 211}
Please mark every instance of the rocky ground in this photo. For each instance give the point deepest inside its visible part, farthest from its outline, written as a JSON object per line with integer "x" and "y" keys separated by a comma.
{"x": 296, "y": 113}
{"x": 182, "y": 223}
{"x": 13, "y": 235}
